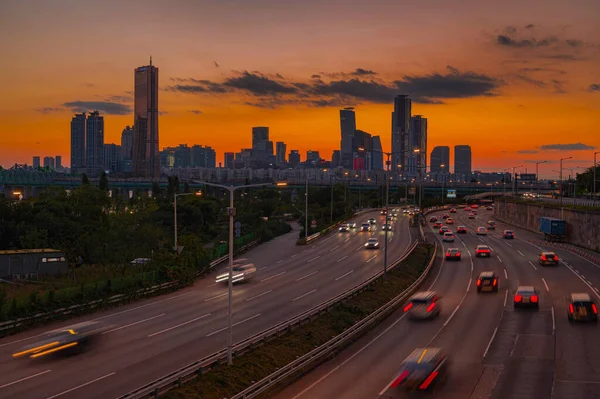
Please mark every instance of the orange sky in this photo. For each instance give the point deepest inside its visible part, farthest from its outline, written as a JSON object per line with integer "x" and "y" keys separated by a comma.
{"x": 543, "y": 76}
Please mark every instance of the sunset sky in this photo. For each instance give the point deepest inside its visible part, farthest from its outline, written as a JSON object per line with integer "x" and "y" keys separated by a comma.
{"x": 517, "y": 80}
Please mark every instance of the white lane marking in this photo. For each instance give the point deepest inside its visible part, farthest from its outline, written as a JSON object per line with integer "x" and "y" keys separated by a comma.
{"x": 334, "y": 248}
{"x": 480, "y": 239}
{"x": 509, "y": 245}
{"x": 24, "y": 379}
{"x": 359, "y": 248}
{"x": 370, "y": 259}
{"x": 520, "y": 253}
{"x": 273, "y": 276}
{"x": 342, "y": 258}
{"x": 453, "y": 313}
{"x": 212, "y": 285}
{"x": 553, "y": 321}
{"x": 390, "y": 240}
{"x": 305, "y": 250}
{"x": 505, "y": 274}
{"x": 80, "y": 386}
{"x": 279, "y": 261}
{"x": 532, "y": 265}
{"x": 293, "y": 255}
{"x": 132, "y": 324}
{"x": 215, "y": 297}
{"x": 498, "y": 256}
{"x": 178, "y": 325}
{"x": 104, "y": 317}
{"x": 546, "y": 285}
{"x": 233, "y": 325}
{"x": 514, "y": 345}
{"x": 584, "y": 282}
{"x": 344, "y": 275}
{"x": 505, "y": 297}
{"x": 347, "y": 239}
{"x": 262, "y": 268}
{"x": 313, "y": 259}
{"x": 487, "y": 348}
{"x": 303, "y": 295}
{"x": 308, "y": 275}
{"x": 259, "y": 295}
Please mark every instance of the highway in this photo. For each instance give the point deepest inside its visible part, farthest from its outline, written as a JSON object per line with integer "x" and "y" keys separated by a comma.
{"x": 494, "y": 351}
{"x": 151, "y": 338}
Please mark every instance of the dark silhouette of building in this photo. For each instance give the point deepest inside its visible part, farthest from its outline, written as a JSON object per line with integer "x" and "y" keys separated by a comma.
{"x": 146, "y": 161}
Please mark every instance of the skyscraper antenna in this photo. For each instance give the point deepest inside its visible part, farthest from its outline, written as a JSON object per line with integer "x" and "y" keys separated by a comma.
{"x": 150, "y": 59}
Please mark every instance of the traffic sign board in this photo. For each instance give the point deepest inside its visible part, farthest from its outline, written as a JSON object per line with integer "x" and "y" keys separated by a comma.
{"x": 314, "y": 223}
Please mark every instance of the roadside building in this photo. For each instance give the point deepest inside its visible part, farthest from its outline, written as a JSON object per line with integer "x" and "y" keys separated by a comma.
{"x": 32, "y": 263}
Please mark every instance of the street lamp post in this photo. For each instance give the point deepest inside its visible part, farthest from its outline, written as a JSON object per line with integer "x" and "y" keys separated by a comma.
{"x": 514, "y": 176}
{"x": 332, "y": 180}
{"x": 306, "y": 208}
{"x": 594, "y": 182}
{"x": 561, "y": 179}
{"x": 231, "y": 214}
{"x": 537, "y": 178}
{"x": 176, "y": 242}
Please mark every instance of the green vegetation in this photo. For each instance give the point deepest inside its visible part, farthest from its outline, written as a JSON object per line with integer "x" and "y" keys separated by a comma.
{"x": 225, "y": 381}
{"x": 567, "y": 204}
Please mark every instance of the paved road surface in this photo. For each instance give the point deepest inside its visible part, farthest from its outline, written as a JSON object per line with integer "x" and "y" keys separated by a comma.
{"x": 154, "y": 337}
{"x": 495, "y": 351}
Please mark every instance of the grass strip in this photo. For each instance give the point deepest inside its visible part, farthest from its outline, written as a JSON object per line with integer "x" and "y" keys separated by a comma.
{"x": 224, "y": 381}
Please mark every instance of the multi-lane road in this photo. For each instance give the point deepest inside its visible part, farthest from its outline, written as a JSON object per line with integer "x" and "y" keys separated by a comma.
{"x": 495, "y": 351}
{"x": 151, "y": 338}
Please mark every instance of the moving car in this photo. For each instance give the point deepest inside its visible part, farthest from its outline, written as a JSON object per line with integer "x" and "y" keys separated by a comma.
{"x": 352, "y": 225}
{"x": 483, "y": 251}
{"x": 449, "y": 221}
{"x": 471, "y": 215}
{"x": 487, "y": 282}
{"x": 344, "y": 228}
{"x": 444, "y": 229}
{"x": 491, "y": 225}
{"x": 433, "y": 219}
{"x": 365, "y": 227}
{"x": 448, "y": 236}
{"x": 461, "y": 230}
{"x": 423, "y": 305}
{"x": 474, "y": 206}
{"x": 383, "y": 212}
{"x": 437, "y": 225}
{"x": 489, "y": 208}
{"x": 481, "y": 231}
{"x": 467, "y": 208}
{"x": 241, "y": 272}
{"x": 372, "y": 243}
{"x": 444, "y": 216}
{"x": 453, "y": 210}
{"x": 66, "y": 341}
{"x": 582, "y": 308}
{"x": 386, "y": 227}
{"x": 421, "y": 370}
{"x": 526, "y": 296}
{"x": 453, "y": 254}
{"x": 508, "y": 234}
{"x": 548, "y": 259}
{"x": 372, "y": 221}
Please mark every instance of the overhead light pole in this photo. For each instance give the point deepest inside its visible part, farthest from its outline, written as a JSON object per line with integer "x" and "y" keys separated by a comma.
{"x": 514, "y": 176}
{"x": 537, "y": 177}
{"x": 231, "y": 213}
{"x": 561, "y": 178}
{"x": 594, "y": 182}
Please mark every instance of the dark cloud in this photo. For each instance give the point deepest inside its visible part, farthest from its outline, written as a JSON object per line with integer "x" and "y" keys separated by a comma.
{"x": 216, "y": 64}
{"x": 534, "y": 82}
{"x": 258, "y": 84}
{"x": 49, "y": 110}
{"x": 363, "y": 72}
{"x": 106, "y": 107}
{"x": 163, "y": 113}
{"x": 315, "y": 76}
{"x": 566, "y": 147}
{"x": 534, "y": 70}
{"x": 574, "y": 43}
{"x": 196, "y": 111}
{"x": 527, "y": 152}
{"x": 530, "y": 26}
{"x": 366, "y": 90}
{"x": 559, "y": 86}
{"x": 505, "y": 40}
{"x": 594, "y": 87}
{"x": 120, "y": 99}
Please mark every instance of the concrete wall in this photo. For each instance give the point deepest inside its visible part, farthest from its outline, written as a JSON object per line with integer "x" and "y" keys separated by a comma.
{"x": 583, "y": 227}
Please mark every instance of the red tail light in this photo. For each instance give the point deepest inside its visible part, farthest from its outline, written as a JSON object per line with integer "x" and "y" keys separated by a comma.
{"x": 594, "y": 308}
{"x": 431, "y": 307}
{"x": 571, "y": 308}
{"x": 407, "y": 307}
{"x": 478, "y": 282}
{"x": 428, "y": 380}
{"x": 447, "y": 253}
{"x": 544, "y": 257}
{"x": 458, "y": 254}
{"x": 518, "y": 298}
{"x": 400, "y": 378}
{"x": 495, "y": 283}
{"x": 534, "y": 298}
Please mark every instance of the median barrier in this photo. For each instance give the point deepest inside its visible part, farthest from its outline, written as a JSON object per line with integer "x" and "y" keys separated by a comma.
{"x": 176, "y": 378}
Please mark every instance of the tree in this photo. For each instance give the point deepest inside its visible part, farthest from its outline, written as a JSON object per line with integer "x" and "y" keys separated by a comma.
{"x": 155, "y": 189}
{"x": 186, "y": 187}
{"x": 84, "y": 179}
{"x": 103, "y": 184}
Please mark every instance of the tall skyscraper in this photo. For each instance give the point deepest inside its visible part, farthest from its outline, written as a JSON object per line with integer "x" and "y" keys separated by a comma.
{"x": 294, "y": 158}
{"x": 260, "y": 134}
{"x": 229, "y": 160}
{"x": 462, "y": 162}
{"x": 440, "y": 156}
{"x": 49, "y": 162}
{"x": 58, "y": 162}
{"x": 400, "y": 129}
{"x": 94, "y": 143}
{"x": 361, "y": 149}
{"x": 348, "y": 129}
{"x": 78, "y": 142}
{"x": 335, "y": 158}
{"x": 202, "y": 157}
{"x": 36, "y": 162}
{"x": 280, "y": 149}
{"x": 376, "y": 153}
{"x": 146, "y": 161}
{"x": 417, "y": 146}
{"x": 312, "y": 156}
{"x": 112, "y": 154}
{"x": 127, "y": 143}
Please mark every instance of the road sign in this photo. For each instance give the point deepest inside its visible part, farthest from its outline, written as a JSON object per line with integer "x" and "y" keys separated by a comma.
{"x": 527, "y": 177}
{"x": 238, "y": 233}
{"x": 451, "y": 194}
{"x": 314, "y": 223}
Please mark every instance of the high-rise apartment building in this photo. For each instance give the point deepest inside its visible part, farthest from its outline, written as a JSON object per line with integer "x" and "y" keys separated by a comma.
{"x": 229, "y": 159}
{"x": 94, "y": 143}
{"x": 361, "y": 150}
{"x": 417, "y": 146}
{"x": 127, "y": 143}
{"x": 312, "y": 156}
{"x": 280, "y": 148}
{"x": 112, "y": 156}
{"x": 49, "y": 162}
{"x": 376, "y": 153}
{"x": 294, "y": 158}
{"x": 58, "y": 162}
{"x": 462, "y": 162}
{"x": 262, "y": 148}
{"x": 335, "y": 158}
{"x": 203, "y": 157}
{"x": 440, "y": 160}
{"x": 78, "y": 142}
{"x": 146, "y": 161}
{"x": 36, "y": 162}
{"x": 400, "y": 128}
{"x": 348, "y": 129}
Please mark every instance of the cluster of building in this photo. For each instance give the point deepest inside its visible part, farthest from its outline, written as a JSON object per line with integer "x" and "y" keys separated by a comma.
{"x": 49, "y": 162}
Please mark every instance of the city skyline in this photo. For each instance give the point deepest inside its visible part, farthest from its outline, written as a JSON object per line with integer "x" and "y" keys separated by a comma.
{"x": 511, "y": 87}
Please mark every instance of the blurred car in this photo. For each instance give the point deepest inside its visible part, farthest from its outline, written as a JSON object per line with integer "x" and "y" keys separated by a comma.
{"x": 526, "y": 296}
{"x": 423, "y": 305}
{"x": 461, "y": 230}
{"x": 471, "y": 215}
{"x": 548, "y": 259}
{"x": 241, "y": 272}
{"x": 491, "y": 225}
{"x": 386, "y": 227}
{"x": 489, "y": 208}
{"x": 433, "y": 219}
{"x": 508, "y": 234}
{"x": 389, "y": 218}
{"x": 487, "y": 281}
{"x": 383, "y": 212}
{"x": 444, "y": 216}
{"x": 474, "y": 206}
{"x": 372, "y": 243}
{"x": 449, "y": 221}
{"x": 453, "y": 210}
{"x": 444, "y": 229}
{"x": 66, "y": 341}
{"x": 365, "y": 227}
{"x": 352, "y": 225}
{"x": 453, "y": 254}
{"x": 467, "y": 208}
{"x": 481, "y": 231}
{"x": 344, "y": 228}
{"x": 372, "y": 221}
{"x": 582, "y": 308}
{"x": 421, "y": 370}
{"x": 483, "y": 251}
{"x": 437, "y": 225}
{"x": 448, "y": 237}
